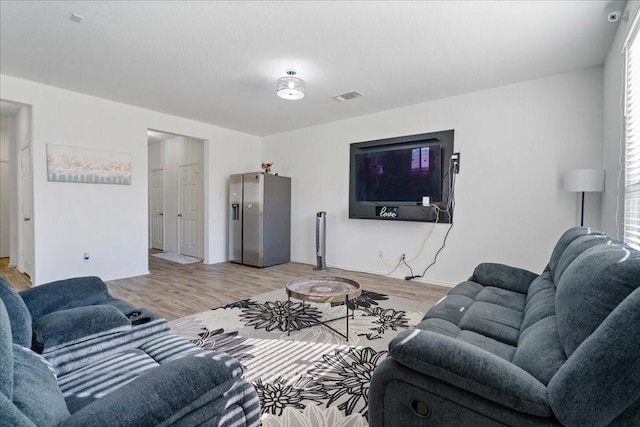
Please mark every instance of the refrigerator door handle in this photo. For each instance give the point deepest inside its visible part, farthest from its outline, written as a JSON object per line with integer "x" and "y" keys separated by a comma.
{"x": 235, "y": 211}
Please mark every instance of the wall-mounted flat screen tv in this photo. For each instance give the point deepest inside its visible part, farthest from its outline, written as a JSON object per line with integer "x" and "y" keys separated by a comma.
{"x": 389, "y": 178}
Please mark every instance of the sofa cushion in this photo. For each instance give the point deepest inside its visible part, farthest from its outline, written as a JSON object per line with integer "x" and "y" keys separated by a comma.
{"x": 574, "y": 249}
{"x": 64, "y": 294}
{"x": 199, "y": 390}
{"x": 503, "y": 276}
{"x": 18, "y": 314}
{"x": 540, "y": 301}
{"x": 494, "y": 321}
{"x": 66, "y": 327}
{"x": 502, "y": 297}
{"x": 470, "y": 368}
{"x": 500, "y": 349}
{"x": 539, "y": 351}
{"x": 468, "y": 289}
{"x": 486, "y": 316}
{"x": 591, "y": 287}
{"x": 439, "y": 326}
{"x": 169, "y": 347}
{"x": 35, "y": 389}
{"x": 85, "y": 385}
{"x": 451, "y": 309}
{"x": 599, "y": 383}
{"x": 565, "y": 240}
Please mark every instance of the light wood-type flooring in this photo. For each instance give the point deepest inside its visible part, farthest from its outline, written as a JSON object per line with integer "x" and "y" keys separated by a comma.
{"x": 174, "y": 290}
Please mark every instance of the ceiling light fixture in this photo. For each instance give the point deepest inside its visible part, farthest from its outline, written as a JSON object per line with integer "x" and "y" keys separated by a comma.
{"x": 290, "y": 87}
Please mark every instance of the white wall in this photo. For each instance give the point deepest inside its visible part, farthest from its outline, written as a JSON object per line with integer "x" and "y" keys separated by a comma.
{"x": 515, "y": 142}
{"x": 111, "y": 221}
{"x": 613, "y": 151}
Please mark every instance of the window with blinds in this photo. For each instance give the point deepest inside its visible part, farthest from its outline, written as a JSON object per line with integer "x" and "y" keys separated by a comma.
{"x": 632, "y": 143}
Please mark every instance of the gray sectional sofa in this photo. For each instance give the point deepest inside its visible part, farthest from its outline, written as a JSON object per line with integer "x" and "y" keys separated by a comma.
{"x": 108, "y": 372}
{"x": 511, "y": 347}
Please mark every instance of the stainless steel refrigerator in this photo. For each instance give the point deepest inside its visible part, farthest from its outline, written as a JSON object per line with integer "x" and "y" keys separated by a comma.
{"x": 259, "y": 219}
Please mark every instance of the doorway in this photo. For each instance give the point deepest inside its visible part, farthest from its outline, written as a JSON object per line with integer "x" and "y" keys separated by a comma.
{"x": 188, "y": 208}
{"x": 156, "y": 206}
{"x": 16, "y": 191}
{"x": 176, "y": 193}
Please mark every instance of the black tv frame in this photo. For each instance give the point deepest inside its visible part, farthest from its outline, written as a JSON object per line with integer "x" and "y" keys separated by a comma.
{"x": 404, "y": 211}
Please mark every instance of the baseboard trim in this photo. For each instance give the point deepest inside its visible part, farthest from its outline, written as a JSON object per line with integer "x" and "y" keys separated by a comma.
{"x": 215, "y": 261}
{"x": 136, "y": 274}
{"x": 382, "y": 273}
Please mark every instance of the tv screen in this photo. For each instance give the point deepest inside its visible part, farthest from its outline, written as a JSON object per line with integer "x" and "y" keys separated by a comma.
{"x": 389, "y": 178}
{"x": 399, "y": 175}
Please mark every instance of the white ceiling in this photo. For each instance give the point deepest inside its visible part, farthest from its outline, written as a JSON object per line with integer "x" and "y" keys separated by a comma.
{"x": 218, "y": 62}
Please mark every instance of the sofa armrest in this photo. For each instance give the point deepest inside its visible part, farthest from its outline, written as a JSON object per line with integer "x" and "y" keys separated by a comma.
{"x": 64, "y": 294}
{"x": 503, "y": 276}
{"x": 12, "y": 416}
{"x": 472, "y": 369}
{"x": 192, "y": 390}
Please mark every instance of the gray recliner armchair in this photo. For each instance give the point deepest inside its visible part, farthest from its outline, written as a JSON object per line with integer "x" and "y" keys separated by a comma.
{"x": 165, "y": 380}
{"x": 74, "y": 322}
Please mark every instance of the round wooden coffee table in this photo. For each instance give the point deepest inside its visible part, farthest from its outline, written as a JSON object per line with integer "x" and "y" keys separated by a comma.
{"x": 324, "y": 290}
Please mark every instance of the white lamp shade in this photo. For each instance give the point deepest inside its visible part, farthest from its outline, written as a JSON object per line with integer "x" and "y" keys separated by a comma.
{"x": 584, "y": 180}
{"x": 290, "y": 88}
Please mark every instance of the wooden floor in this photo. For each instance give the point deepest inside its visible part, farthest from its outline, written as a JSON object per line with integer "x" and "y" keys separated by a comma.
{"x": 19, "y": 280}
{"x": 173, "y": 290}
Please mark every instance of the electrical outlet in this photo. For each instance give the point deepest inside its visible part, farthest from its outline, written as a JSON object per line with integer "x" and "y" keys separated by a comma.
{"x": 403, "y": 257}
{"x": 86, "y": 257}
{"x": 455, "y": 158}
{"x": 380, "y": 253}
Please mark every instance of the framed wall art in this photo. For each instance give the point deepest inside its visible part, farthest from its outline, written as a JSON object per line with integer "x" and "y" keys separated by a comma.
{"x": 86, "y": 165}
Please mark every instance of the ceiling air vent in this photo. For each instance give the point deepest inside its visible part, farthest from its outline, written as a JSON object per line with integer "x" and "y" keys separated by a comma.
{"x": 347, "y": 96}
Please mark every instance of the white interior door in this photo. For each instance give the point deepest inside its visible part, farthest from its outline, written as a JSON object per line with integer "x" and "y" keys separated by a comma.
{"x": 189, "y": 211}
{"x": 27, "y": 223}
{"x": 4, "y": 209}
{"x": 157, "y": 208}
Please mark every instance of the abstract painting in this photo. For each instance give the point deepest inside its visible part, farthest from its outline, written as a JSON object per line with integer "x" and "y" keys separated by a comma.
{"x": 85, "y": 165}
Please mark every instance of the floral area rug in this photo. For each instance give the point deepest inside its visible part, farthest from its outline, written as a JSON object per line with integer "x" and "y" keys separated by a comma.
{"x": 312, "y": 376}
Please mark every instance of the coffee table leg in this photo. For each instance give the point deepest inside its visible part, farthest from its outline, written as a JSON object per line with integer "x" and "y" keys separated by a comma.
{"x": 289, "y": 315}
{"x": 346, "y": 304}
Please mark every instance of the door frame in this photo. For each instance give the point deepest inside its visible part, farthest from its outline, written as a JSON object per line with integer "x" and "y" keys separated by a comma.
{"x": 25, "y": 242}
{"x": 200, "y": 199}
{"x": 151, "y": 209}
{"x": 20, "y": 131}
{"x": 205, "y": 197}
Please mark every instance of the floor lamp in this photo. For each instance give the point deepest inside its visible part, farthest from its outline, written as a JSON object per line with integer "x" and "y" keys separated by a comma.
{"x": 582, "y": 181}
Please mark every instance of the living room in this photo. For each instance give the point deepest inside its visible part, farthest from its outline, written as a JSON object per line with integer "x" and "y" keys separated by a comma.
{"x": 553, "y": 122}
{"x": 517, "y": 137}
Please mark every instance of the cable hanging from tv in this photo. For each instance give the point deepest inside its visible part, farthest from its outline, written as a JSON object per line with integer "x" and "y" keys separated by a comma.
{"x": 455, "y": 163}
